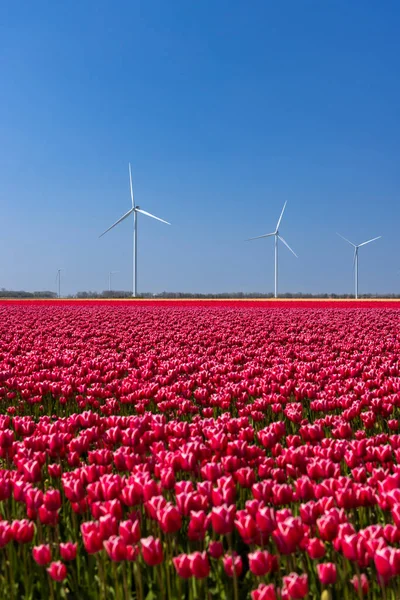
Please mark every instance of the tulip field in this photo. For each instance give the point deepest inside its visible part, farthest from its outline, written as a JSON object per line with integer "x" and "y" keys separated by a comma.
{"x": 173, "y": 451}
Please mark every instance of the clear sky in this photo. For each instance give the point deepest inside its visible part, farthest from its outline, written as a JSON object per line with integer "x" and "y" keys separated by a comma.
{"x": 225, "y": 109}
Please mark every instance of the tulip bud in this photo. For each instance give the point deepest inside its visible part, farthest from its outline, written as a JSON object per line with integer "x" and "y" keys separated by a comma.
{"x": 260, "y": 562}
{"x": 52, "y": 499}
{"x": 199, "y": 564}
{"x": 182, "y": 566}
{"x": 152, "y": 551}
{"x": 327, "y": 573}
{"x": 57, "y": 571}
{"x": 215, "y": 549}
{"x": 68, "y": 551}
{"x": 233, "y": 565}
{"x": 42, "y": 554}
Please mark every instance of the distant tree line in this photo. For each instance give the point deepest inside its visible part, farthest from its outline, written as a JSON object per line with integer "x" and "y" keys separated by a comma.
{"x": 182, "y": 295}
{"x": 22, "y": 294}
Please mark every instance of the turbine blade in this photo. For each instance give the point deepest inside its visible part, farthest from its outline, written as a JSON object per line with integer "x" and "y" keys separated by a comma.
{"x": 346, "y": 240}
{"x": 259, "y": 237}
{"x": 116, "y": 222}
{"x": 130, "y": 181}
{"x": 354, "y": 259}
{"x": 369, "y": 241}
{"x": 144, "y": 212}
{"x": 287, "y": 245}
{"x": 280, "y": 218}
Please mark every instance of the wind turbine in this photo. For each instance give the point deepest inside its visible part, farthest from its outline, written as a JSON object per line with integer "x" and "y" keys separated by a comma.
{"x": 58, "y": 276}
{"x": 277, "y": 237}
{"x": 109, "y": 279}
{"x": 135, "y": 210}
{"x": 355, "y": 260}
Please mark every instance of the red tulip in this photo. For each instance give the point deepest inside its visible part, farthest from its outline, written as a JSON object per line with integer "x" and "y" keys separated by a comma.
{"x": 266, "y": 520}
{"x": 364, "y": 583}
{"x": 68, "y": 551}
{"x": 260, "y": 562}
{"x": 199, "y": 564}
{"x": 57, "y": 571}
{"x": 115, "y": 547}
{"x": 183, "y": 566}
{"x": 296, "y": 585}
{"x": 52, "y": 499}
{"x": 215, "y": 549}
{"x": 233, "y": 565}
{"x": 385, "y": 562}
{"x": 222, "y": 519}
{"x": 54, "y": 470}
{"x": 315, "y": 548}
{"x": 327, "y": 573}
{"x": 6, "y": 534}
{"x": 328, "y": 527}
{"x": 152, "y": 551}
{"x": 169, "y": 518}
{"x": 264, "y": 592}
{"x": 130, "y": 531}
{"x": 23, "y": 531}
{"x": 92, "y": 539}
{"x": 42, "y": 554}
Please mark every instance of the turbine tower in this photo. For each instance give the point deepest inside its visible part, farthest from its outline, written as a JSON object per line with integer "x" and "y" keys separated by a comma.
{"x": 355, "y": 260}
{"x": 135, "y": 210}
{"x": 109, "y": 279}
{"x": 58, "y": 277}
{"x": 277, "y": 237}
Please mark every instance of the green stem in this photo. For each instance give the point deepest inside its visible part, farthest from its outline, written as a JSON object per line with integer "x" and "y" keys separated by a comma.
{"x": 125, "y": 582}
{"x": 102, "y": 578}
{"x": 235, "y": 580}
{"x": 11, "y": 572}
{"x": 51, "y": 588}
{"x": 139, "y": 580}
{"x": 116, "y": 581}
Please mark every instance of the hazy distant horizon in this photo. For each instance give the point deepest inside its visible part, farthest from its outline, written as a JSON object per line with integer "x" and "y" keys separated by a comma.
{"x": 225, "y": 111}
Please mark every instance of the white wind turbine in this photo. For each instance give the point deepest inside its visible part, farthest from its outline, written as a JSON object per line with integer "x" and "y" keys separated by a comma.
{"x": 277, "y": 237}
{"x": 135, "y": 210}
{"x": 110, "y": 274}
{"x": 58, "y": 276}
{"x": 355, "y": 260}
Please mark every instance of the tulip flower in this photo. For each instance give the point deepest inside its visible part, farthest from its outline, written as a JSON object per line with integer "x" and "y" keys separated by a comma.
{"x": 169, "y": 518}
{"x": 115, "y": 547}
{"x": 222, "y": 519}
{"x": 264, "y": 592}
{"x": 57, "y": 571}
{"x": 199, "y": 565}
{"x": 23, "y": 531}
{"x": 68, "y": 551}
{"x": 315, "y": 548}
{"x": 42, "y": 554}
{"x": 364, "y": 583}
{"x": 152, "y": 551}
{"x": 215, "y": 549}
{"x": 52, "y": 499}
{"x": 233, "y": 565}
{"x": 327, "y": 573}
{"x": 260, "y": 562}
{"x": 182, "y": 566}
{"x": 296, "y": 586}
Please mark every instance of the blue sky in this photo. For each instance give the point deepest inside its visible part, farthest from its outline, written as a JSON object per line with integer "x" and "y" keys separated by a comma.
{"x": 225, "y": 110}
